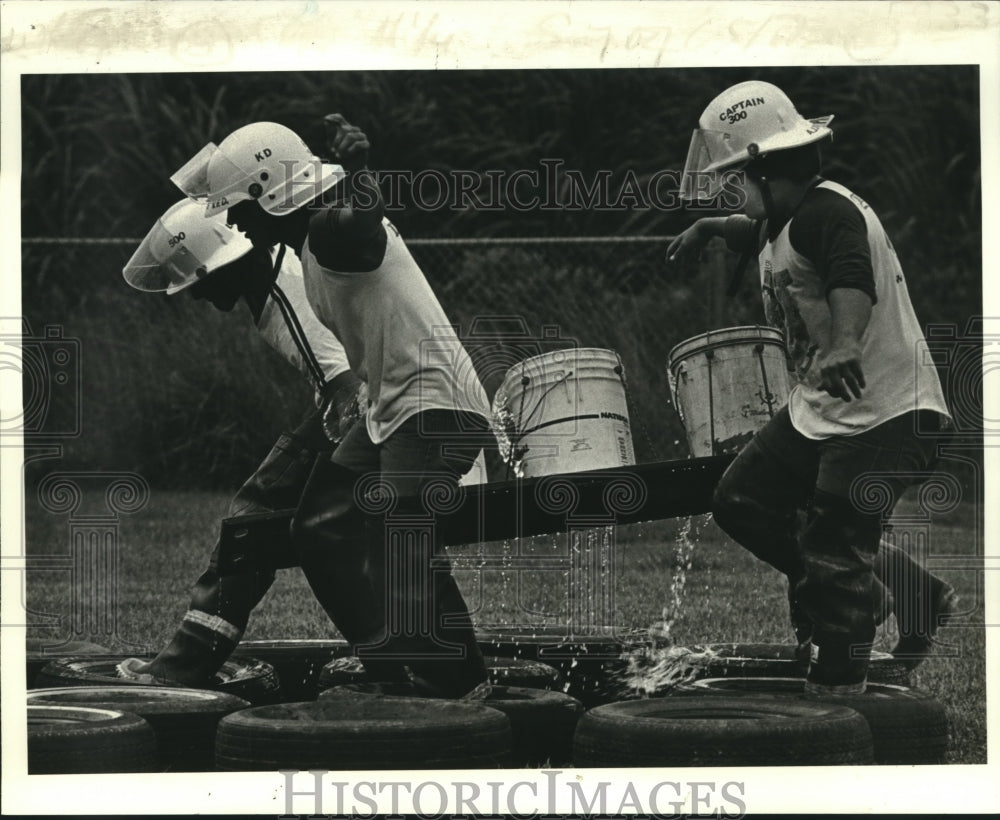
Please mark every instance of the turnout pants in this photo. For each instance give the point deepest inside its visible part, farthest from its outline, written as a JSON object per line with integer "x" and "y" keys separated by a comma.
{"x": 847, "y": 487}
{"x": 390, "y": 494}
{"x": 220, "y": 606}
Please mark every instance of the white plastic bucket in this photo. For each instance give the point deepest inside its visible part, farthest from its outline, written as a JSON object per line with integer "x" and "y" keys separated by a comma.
{"x": 726, "y": 385}
{"x": 566, "y": 412}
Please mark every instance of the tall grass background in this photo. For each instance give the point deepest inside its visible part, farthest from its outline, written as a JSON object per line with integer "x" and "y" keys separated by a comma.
{"x": 192, "y": 398}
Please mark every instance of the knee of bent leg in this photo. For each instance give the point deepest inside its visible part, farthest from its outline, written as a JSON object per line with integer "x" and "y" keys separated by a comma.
{"x": 311, "y": 536}
{"x": 834, "y": 524}
{"x": 729, "y": 505}
{"x": 340, "y": 532}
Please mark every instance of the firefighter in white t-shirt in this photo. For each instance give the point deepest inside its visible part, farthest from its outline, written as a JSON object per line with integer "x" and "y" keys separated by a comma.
{"x": 427, "y": 414}
{"x": 210, "y": 260}
{"x": 830, "y": 278}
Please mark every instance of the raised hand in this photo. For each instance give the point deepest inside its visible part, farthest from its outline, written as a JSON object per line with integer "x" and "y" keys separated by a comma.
{"x": 347, "y": 143}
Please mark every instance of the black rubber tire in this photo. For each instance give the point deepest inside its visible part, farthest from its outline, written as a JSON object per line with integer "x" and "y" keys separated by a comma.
{"x": 908, "y": 726}
{"x": 373, "y": 734}
{"x": 184, "y": 719}
{"x": 541, "y": 722}
{"x": 772, "y": 660}
{"x": 81, "y": 740}
{"x": 248, "y": 678}
{"x": 589, "y": 665}
{"x": 298, "y": 663}
{"x": 39, "y": 652}
{"x": 719, "y": 731}
{"x": 523, "y": 673}
{"x": 502, "y": 672}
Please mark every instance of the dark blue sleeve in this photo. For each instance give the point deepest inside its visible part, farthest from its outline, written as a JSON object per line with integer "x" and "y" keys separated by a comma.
{"x": 344, "y": 250}
{"x": 831, "y": 233}
{"x": 742, "y": 234}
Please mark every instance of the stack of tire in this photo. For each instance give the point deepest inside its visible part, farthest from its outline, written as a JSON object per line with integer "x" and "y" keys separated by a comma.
{"x": 79, "y": 729}
{"x": 298, "y": 663}
{"x": 502, "y": 672}
{"x": 250, "y": 679}
{"x": 588, "y": 666}
{"x": 747, "y": 707}
{"x": 369, "y": 733}
{"x": 908, "y": 726}
{"x": 771, "y": 660}
{"x": 540, "y": 720}
{"x": 83, "y": 718}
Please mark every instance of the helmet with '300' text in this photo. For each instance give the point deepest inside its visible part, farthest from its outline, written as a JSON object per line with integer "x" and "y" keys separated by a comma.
{"x": 744, "y": 122}
{"x": 182, "y": 247}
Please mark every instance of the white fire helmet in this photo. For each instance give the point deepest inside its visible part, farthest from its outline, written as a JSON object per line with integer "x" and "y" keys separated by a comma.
{"x": 744, "y": 122}
{"x": 263, "y": 161}
{"x": 183, "y": 247}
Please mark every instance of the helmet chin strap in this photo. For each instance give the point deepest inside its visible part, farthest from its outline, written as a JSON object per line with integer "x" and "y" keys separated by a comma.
{"x": 259, "y": 278}
{"x": 744, "y": 260}
{"x": 753, "y": 150}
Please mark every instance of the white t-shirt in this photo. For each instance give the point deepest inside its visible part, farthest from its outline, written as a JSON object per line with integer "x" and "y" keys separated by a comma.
{"x": 397, "y": 337}
{"x": 897, "y": 367}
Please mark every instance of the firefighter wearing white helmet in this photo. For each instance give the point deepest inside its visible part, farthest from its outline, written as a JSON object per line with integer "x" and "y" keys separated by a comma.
{"x": 744, "y": 123}
{"x": 265, "y": 162}
{"x": 428, "y": 412}
{"x": 831, "y": 280}
{"x": 212, "y": 260}
{"x": 182, "y": 248}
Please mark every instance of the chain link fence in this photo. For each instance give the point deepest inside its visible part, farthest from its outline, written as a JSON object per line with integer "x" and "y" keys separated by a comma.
{"x": 188, "y": 396}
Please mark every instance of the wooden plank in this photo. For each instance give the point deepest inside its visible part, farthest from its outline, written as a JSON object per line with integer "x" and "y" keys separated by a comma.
{"x": 514, "y": 509}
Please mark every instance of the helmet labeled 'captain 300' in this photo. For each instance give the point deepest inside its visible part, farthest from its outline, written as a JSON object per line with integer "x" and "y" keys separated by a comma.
{"x": 744, "y": 122}
{"x": 264, "y": 161}
{"x": 182, "y": 248}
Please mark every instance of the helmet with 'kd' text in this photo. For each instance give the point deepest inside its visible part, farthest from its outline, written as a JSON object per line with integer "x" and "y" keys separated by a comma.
{"x": 743, "y": 123}
{"x": 182, "y": 248}
{"x": 264, "y": 161}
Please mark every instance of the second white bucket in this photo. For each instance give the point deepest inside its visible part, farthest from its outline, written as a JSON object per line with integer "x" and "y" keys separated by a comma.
{"x": 727, "y": 384}
{"x": 565, "y": 412}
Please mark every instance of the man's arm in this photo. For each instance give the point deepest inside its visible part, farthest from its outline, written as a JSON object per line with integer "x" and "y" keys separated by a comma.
{"x": 349, "y": 237}
{"x": 740, "y": 233}
{"x": 831, "y": 233}
{"x": 850, "y": 310}
{"x": 361, "y": 215}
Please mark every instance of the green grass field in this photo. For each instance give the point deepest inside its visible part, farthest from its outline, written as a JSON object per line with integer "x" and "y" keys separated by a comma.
{"x": 724, "y": 595}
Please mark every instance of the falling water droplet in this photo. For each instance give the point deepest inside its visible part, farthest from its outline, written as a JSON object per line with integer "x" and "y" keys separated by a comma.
{"x": 505, "y": 430}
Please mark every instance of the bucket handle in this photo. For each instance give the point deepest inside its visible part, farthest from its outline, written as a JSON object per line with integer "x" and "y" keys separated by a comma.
{"x": 768, "y": 397}
{"x": 519, "y": 433}
{"x": 521, "y": 420}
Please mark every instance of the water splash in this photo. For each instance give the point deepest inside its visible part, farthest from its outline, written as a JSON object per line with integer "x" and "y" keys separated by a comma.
{"x": 505, "y": 430}
{"x": 506, "y": 562}
{"x": 687, "y": 538}
{"x": 655, "y": 671}
{"x": 656, "y": 666}
{"x": 591, "y": 582}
